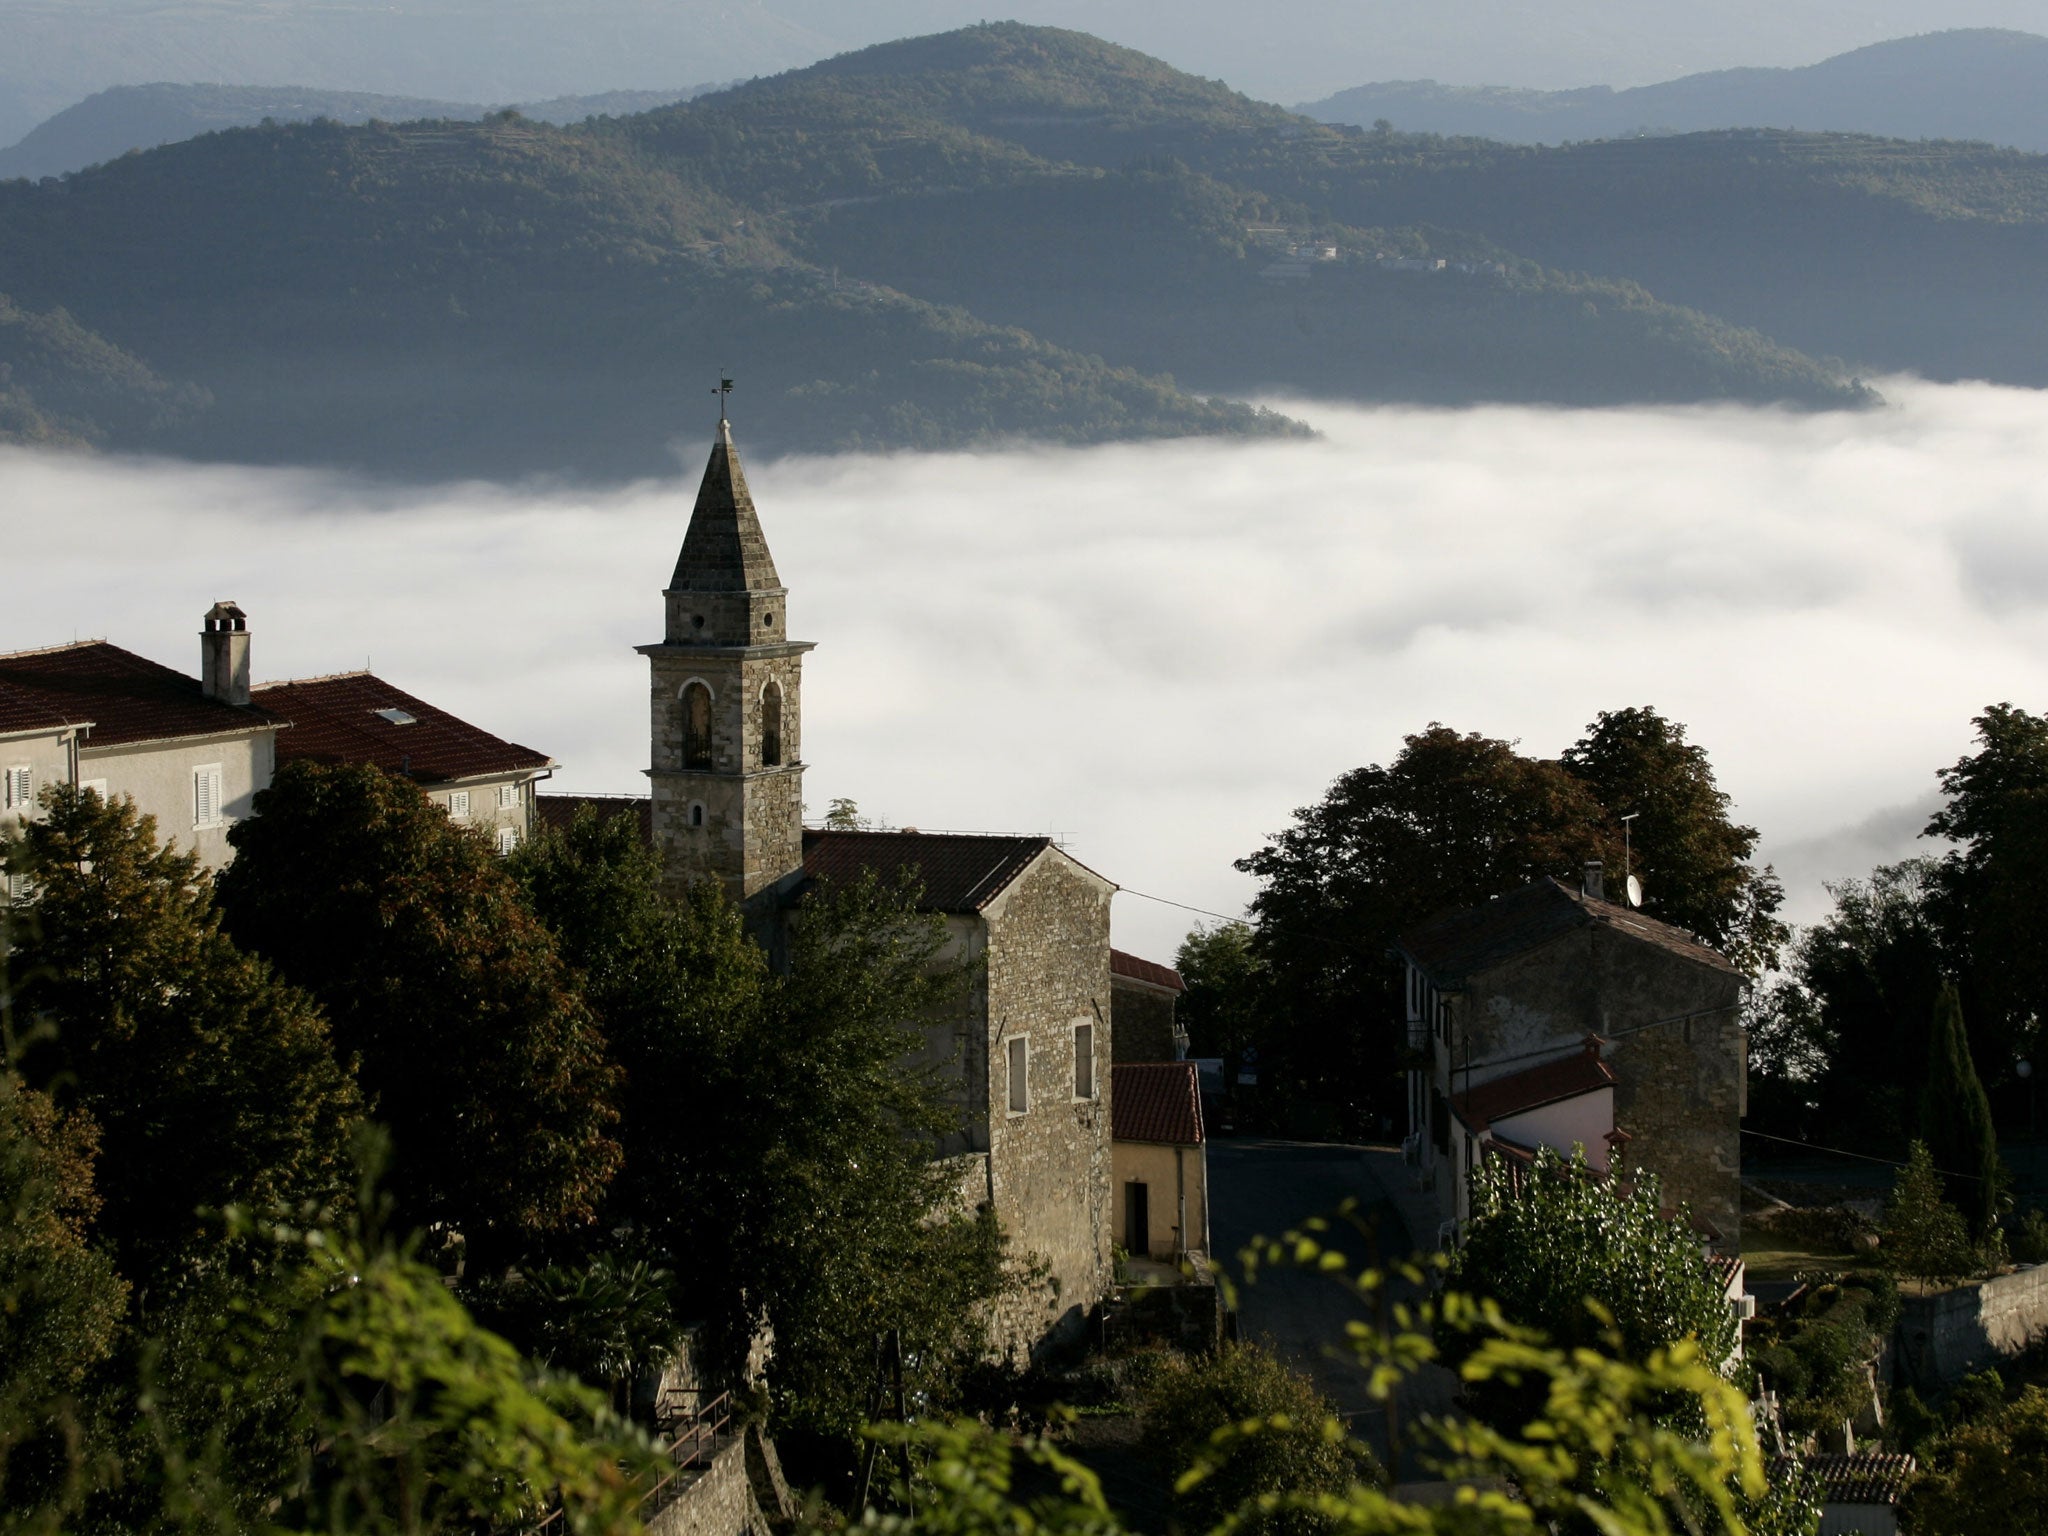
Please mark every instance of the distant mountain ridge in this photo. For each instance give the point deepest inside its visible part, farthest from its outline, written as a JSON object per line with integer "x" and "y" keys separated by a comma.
{"x": 1975, "y": 83}
{"x": 126, "y": 117}
{"x": 1003, "y": 232}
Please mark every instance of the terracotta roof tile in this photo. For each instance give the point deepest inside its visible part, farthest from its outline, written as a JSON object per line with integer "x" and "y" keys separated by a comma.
{"x": 1548, "y": 1082}
{"x": 1862, "y": 1477}
{"x": 126, "y": 698}
{"x": 336, "y": 720}
{"x": 1465, "y": 943}
{"x": 557, "y": 811}
{"x": 959, "y": 871}
{"x": 1132, "y": 968}
{"x": 1155, "y": 1101}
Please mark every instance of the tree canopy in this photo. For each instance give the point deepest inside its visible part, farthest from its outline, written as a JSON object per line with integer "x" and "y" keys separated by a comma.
{"x": 474, "y": 1045}
{"x": 211, "y": 1081}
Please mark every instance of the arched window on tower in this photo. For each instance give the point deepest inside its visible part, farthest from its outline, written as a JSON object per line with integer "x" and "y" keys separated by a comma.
{"x": 771, "y": 726}
{"x": 696, "y": 726}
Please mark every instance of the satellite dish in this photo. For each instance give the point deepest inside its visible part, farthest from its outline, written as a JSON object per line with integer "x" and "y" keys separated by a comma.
{"x": 1635, "y": 891}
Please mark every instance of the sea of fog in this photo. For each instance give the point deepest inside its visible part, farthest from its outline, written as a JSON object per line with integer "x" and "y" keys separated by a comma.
{"x": 1159, "y": 652}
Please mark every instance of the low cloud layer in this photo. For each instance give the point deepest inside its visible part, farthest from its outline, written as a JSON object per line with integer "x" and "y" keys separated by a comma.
{"x": 1159, "y": 652}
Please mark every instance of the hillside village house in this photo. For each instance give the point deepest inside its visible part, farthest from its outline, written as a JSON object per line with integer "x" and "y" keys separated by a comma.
{"x": 195, "y": 752}
{"x": 1030, "y": 1049}
{"x": 1554, "y": 1017}
{"x": 1161, "y": 1160}
{"x": 1144, "y": 996}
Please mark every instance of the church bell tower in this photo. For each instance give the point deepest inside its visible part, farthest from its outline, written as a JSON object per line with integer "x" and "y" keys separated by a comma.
{"x": 725, "y": 765}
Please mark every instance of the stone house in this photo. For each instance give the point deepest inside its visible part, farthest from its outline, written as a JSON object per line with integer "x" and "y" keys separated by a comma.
{"x": 1143, "y": 996}
{"x": 1161, "y": 1160}
{"x": 1550, "y": 1016}
{"x": 1027, "y": 1055}
{"x": 195, "y": 752}
{"x": 481, "y": 780}
{"x": 190, "y": 752}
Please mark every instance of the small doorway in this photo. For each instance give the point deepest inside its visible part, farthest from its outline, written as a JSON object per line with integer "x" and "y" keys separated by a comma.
{"x": 1137, "y": 1221}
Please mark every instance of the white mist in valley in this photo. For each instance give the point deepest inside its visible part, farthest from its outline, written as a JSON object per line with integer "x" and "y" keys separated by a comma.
{"x": 1158, "y": 652}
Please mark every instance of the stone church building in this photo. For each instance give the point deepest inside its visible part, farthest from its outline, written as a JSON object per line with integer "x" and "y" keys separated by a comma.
{"x": 1029, "y": 1053}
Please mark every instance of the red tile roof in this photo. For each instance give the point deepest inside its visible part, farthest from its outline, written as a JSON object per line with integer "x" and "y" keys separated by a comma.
{"x": 1132, "y": 968}
{"x": 1155, "y": 1101}
{"x": 1475, "y": 940}
{"x": 557, "y": 811}
{"x": 1862, "y": 1477}
{"x": 126, "y": 698}
{"x": 958, "y": 871}
{"x": 335, "y": 720}
{"x": 1548, "y": 1082}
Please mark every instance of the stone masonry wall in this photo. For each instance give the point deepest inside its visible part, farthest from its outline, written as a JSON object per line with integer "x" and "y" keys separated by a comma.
{"x": 1675, "y": 1042}
{"x": 1944, "y": 1337}
{"x": 1048, "y": 970}
{"x": 1144, "y": 1021}
{"x": 721, "y": 1502}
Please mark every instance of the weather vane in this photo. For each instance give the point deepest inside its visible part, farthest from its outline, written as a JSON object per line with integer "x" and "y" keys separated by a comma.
{"x": 724, "y": 389}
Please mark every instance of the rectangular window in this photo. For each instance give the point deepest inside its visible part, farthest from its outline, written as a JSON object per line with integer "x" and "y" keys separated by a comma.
{"x": 1084, "y": 1061}
{"x": 508, "y": 796}
{"x": 21, "y": 789}
{"x": 458, "y": 804}
{"x": 206, "y": 796}
{"x": 508, "y": 840}
{"x": 93, "y": 786}
{"x": 1020, "y": 1075}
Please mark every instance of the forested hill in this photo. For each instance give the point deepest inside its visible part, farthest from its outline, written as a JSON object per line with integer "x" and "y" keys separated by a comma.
{"x": 1000, "y": 232}
{"x": 1971, "y": 83}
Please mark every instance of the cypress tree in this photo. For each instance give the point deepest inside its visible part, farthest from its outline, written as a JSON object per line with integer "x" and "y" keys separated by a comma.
{"x": 1955, "y": 1117}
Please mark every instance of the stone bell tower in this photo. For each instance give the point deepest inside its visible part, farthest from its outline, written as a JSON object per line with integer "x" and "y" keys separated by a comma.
{"x": 726, "y": 763}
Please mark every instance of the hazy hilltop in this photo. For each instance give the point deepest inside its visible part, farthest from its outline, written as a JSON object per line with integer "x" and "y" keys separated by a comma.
{"x": 1981, "y": 84}
{"x": 125, "y": 117}
{"x": 59, "y": 51}
{"x": 1005, "y": 231}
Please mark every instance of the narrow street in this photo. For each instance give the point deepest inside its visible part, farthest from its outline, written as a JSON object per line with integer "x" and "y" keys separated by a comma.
{"x": 1261, "y": 1188}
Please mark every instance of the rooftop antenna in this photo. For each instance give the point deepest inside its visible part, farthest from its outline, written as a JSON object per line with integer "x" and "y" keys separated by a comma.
{"x": 724, "y": 389}
{"x": 1630, "y": 883}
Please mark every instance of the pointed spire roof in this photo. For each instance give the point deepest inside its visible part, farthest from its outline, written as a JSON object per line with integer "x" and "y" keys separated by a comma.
{"x": 725, "y": 550}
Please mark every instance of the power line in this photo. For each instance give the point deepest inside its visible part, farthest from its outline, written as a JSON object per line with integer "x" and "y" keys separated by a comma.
{"x": 1889, "y": 1162}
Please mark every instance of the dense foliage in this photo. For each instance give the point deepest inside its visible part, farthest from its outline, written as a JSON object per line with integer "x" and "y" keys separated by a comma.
{"x": 1817, "y": 1352}
{"x": 474, "y": 1045}
{"x": 1955, "y": 1119}
{"x": 209, "y": 1079}
{"x": 1554, "y": 1241}
{"x": 1988, "y": 1474}
{"x": 1293, "y": 1456}
{"x": 1453, "y": 820}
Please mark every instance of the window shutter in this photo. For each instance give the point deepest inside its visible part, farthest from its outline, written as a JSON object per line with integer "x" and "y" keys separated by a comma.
{"x": 458, "y": 804}
{"x": 206, "y": 796}
{"x": 1020, "y": 1075}
{"x": 21, "y": 788}
{"x": 508, "y": 796}
{"x": 508, "y": 840}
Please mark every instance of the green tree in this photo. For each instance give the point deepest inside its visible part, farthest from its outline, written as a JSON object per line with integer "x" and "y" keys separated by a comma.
{"x": 473, "y": 1042}
{"x": 1989, "y": 1475}
{"x": 779, "y": 1135}
{"x": 1925, "y": 1236}
{"x": 1555, "y": 1242}
{"x": 1192, "y": 1399}
{"x": 1225, "y": 1009}
{"x": 1694, "y": 860}
{"x": 1846, "y": 1030}
{"x": 211, "y": 1081}
{"x": 61, "y": 1305}
{"x": 1955, "y": 1119}
{"x": 1452, "y": 820}
{"x": 1994, "y": 882}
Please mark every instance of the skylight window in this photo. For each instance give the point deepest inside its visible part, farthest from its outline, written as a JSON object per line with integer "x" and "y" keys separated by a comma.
{"x": 396, "y": 716}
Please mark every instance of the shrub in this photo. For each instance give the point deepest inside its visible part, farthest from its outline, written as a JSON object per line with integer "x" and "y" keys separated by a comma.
{"x": 2030, "y": 1238}
{"x": 1300, "y": 1448}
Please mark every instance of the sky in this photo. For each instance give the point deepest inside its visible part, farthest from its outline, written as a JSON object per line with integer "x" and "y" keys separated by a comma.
{"x": 59, "y": 51}
{"x": 1158, "y": 652}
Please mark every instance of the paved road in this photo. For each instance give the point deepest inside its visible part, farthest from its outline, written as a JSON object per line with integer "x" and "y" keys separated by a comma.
{"x": 1260, "y": 1188}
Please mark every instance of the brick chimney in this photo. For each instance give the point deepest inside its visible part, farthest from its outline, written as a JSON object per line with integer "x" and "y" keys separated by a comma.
{"x": 224, "y": 654}
{"x": 1596, "y": 880}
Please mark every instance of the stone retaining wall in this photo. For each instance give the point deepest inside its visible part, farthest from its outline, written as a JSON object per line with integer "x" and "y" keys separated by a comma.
{"x": 1942, "y": 1338}
{"x": 721, "y": 1502}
